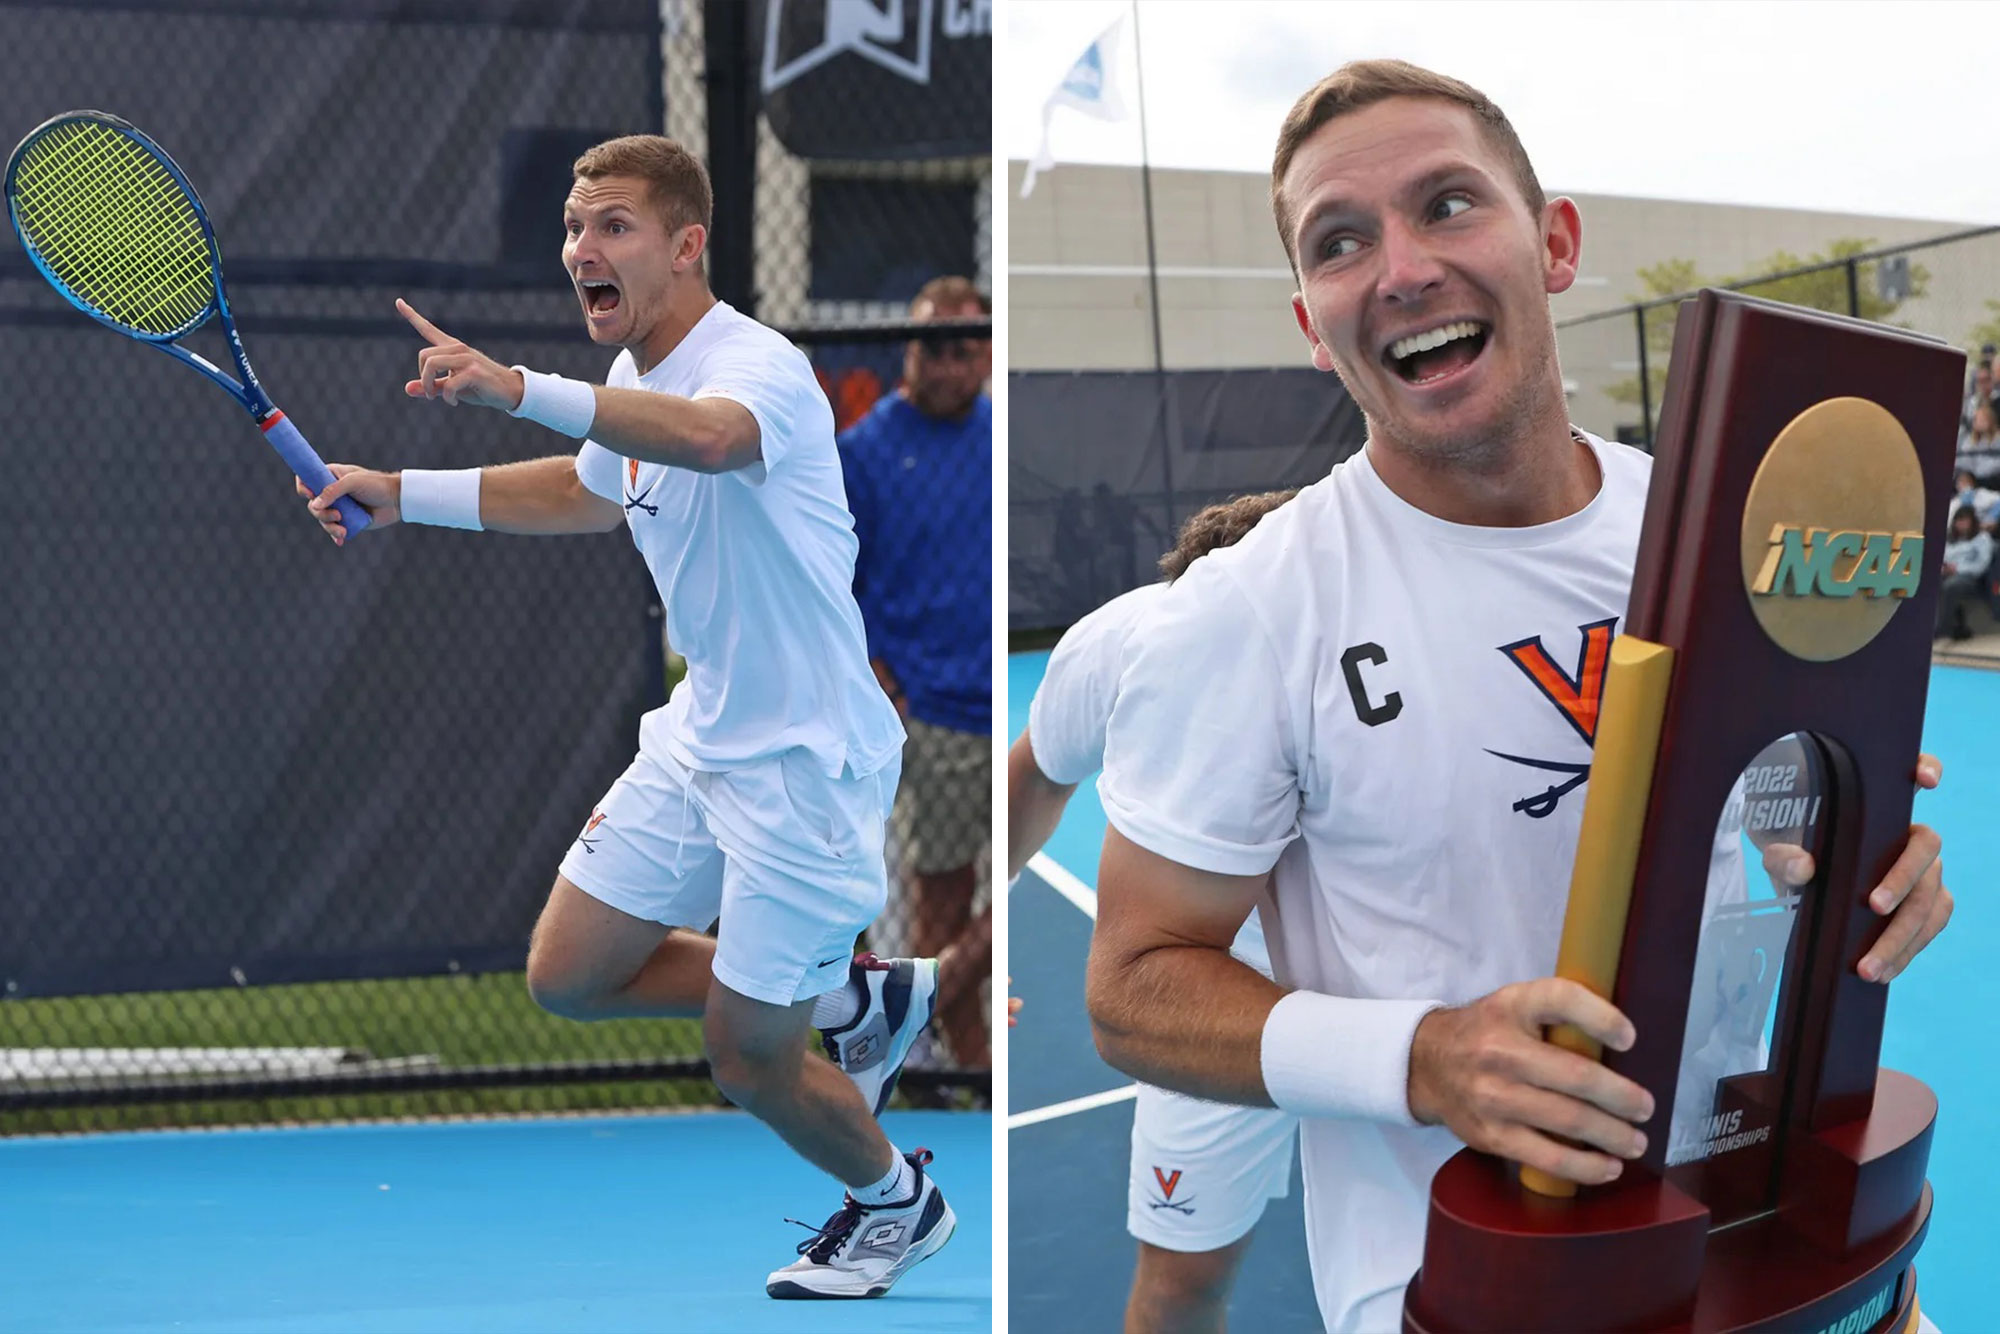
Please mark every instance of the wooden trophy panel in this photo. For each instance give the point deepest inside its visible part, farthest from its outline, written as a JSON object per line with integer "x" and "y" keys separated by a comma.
{"x": 1755, "y": 368}
{"x": 1789, "y": 564}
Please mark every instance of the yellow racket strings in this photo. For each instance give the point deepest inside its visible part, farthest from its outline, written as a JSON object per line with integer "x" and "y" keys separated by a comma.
{"x": 115, "y": 227}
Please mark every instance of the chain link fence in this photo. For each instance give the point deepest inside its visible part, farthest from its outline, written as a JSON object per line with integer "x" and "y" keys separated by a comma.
{"x": 1615, "y": 361}
{"x": 277, "y": 819}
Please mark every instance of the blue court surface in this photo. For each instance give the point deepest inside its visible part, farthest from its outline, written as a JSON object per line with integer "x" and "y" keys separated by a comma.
{"x": 1070, "y": 1266}
{"x": 598, "y": 1224}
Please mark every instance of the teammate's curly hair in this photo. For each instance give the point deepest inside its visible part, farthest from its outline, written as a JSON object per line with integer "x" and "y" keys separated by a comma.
{"x": 1218, "y": 526}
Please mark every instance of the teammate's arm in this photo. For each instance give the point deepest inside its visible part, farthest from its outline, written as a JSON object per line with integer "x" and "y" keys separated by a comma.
{"x": 542, "y": 496}
{"x": 1034, "y": 804}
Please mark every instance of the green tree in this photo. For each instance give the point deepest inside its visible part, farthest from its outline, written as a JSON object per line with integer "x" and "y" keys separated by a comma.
{"x": 1823, "y": 289}
{"x": 1987, "y": 330}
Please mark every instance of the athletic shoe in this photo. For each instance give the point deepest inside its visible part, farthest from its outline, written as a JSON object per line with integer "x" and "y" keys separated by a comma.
{"x": 897, "y": 998}
{"x": 863, "y": 1249}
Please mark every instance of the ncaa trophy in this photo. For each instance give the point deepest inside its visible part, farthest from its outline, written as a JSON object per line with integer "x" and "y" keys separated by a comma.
{"x": 1766, "y": 697}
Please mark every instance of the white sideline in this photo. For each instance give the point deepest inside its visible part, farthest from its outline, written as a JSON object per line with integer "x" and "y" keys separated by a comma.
{"x": 1064, "y": 883}
{"x": 1087, "y": 1103}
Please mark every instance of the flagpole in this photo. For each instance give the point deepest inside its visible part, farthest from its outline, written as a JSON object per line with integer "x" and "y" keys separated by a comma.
{"x": 1146, "y": 188}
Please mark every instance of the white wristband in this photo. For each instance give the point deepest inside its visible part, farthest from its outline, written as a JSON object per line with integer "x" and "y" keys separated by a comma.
{"x": 569, "y": 406}
{"x": 1336, "y": 1056}
{"x": 446, "y": 499}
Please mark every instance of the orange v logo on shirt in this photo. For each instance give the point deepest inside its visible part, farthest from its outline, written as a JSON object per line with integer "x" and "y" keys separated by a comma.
{"x": 1167, "y": 1183}
{"x": 1577, "y": 696}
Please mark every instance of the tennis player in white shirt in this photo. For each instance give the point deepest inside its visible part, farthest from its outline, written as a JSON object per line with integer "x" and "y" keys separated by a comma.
{"x": 1383, "y": 694}
{"x": 1201, "y": 1172}
{"x": 760, "y": 790}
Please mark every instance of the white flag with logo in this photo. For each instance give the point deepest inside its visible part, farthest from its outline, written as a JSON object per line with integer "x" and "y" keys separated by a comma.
{"x": 1090, "y": 87}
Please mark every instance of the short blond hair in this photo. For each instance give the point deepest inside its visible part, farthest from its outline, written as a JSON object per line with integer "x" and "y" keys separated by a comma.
{"x": 1362, "y": 83}
{"x": 676, "y": 178}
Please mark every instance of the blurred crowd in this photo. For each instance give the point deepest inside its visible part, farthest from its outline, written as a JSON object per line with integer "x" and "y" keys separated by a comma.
{"x": 1968, "y": 566}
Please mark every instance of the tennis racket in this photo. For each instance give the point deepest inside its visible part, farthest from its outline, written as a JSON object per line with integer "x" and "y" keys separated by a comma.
{"x": 114, "y": 225}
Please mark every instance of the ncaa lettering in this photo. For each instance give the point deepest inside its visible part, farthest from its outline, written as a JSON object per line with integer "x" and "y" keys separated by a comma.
{"x": 1807, "y": 562}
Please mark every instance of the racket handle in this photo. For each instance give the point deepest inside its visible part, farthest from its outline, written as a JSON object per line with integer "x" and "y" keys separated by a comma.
{"x": 292, "y": 446}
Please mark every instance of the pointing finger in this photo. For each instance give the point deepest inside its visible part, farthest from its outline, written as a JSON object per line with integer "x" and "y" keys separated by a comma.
{"x": 432, "y": 334}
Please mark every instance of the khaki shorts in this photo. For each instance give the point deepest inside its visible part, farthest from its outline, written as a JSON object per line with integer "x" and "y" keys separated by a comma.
{"x": 944, "y": 808}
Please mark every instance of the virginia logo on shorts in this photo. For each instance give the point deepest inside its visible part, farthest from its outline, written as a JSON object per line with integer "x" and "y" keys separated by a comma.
{"x": 1577, "y": 696}
{"x": 589, "y": 843}
{"x": 1168, "y": 1182}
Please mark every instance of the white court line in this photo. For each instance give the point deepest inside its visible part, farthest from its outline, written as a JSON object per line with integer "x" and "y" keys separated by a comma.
{"x": 1072, "y": 1107}
{"x": 1065, "y": 884}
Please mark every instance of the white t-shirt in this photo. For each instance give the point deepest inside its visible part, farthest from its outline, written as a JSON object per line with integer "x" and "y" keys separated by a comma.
{"x": 1397, "y": 712}
{"x": 1072, "y": 708}
{"x": 755, "y": 567}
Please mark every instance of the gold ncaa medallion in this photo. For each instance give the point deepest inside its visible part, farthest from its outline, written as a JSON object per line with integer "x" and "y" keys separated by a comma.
{"x": 1833, "y": 529}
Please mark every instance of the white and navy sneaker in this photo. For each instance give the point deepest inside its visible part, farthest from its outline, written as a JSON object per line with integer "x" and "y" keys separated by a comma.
{"x": 864, "y": 1249}
{"x": 897, "y": 998}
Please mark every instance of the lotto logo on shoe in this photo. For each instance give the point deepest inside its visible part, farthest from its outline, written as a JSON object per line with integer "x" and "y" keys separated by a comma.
{"x": 862, "y": 1053}
{"x": 882, "y": 1239}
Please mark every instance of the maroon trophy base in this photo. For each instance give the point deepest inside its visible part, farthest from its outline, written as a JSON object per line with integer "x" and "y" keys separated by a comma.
{"x": 1639, "y": 1256}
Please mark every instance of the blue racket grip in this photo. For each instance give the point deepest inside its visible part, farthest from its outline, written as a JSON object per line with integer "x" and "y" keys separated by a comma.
{"x": 292, "y": 446}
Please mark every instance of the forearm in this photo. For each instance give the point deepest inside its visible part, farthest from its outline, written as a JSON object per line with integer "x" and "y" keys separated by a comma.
{"x": 703, "y": 435}
{"x": 1184, "y": 1017}
{"x": 1197, "y": 1020}
{"x": 542, "y": 496}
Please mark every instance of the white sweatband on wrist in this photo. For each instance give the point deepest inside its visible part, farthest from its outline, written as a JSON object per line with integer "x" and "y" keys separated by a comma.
{"x": 1337, "y": 1056}
{"x": 448, "y": 499}
{"x": 569, "y": 406}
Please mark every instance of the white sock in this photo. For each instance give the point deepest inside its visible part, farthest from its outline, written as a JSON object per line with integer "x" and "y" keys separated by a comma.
{"x": 898, "y": 1186}
{"x": 836, "y": 1007}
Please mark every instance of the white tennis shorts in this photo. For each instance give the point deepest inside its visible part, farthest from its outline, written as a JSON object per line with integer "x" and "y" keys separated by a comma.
{"x": 1203, "y": 1171}
{"x": 788, "y": 860}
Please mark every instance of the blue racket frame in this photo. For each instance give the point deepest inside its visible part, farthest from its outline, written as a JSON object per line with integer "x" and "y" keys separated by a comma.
{"x": 284, "y": 437}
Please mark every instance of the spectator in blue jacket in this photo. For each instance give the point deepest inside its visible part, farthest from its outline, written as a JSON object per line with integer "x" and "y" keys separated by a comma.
{"x": 920, "y": 482}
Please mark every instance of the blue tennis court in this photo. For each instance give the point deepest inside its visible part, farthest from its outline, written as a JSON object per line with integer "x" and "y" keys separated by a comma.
{"x": 595, "y": 1224}
{"x": 1070, "y": 1267}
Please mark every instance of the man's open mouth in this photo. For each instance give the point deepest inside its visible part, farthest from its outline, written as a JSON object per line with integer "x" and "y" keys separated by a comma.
{"x": 1435, "y": 353}
{"x": 599, "y": 297}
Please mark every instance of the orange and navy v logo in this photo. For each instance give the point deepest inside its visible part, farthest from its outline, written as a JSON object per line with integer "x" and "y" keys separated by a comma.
{"x": 596, "y": 819}
{"x": 1167, "y": 1183}
{"x": 632, "y": 473}
{"x": 1577, "y": 696}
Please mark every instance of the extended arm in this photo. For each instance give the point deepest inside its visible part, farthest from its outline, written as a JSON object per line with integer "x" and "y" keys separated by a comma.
{"x": 700, "y": 434}
{"x": 543, "y": 496}
{"x": 704, "y": 435}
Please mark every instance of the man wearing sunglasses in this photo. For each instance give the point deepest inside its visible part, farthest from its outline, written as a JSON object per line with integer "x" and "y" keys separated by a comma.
{"x": 919, "y": 471}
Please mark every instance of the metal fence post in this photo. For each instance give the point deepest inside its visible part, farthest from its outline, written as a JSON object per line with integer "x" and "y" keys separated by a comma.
{"x": 1645, "y": 383}
{"x": 1854, "y": 289}
{"x": 732, "y": 151}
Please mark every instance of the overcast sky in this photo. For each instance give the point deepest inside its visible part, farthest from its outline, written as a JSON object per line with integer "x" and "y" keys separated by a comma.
{"x": 1858, "y": 107}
